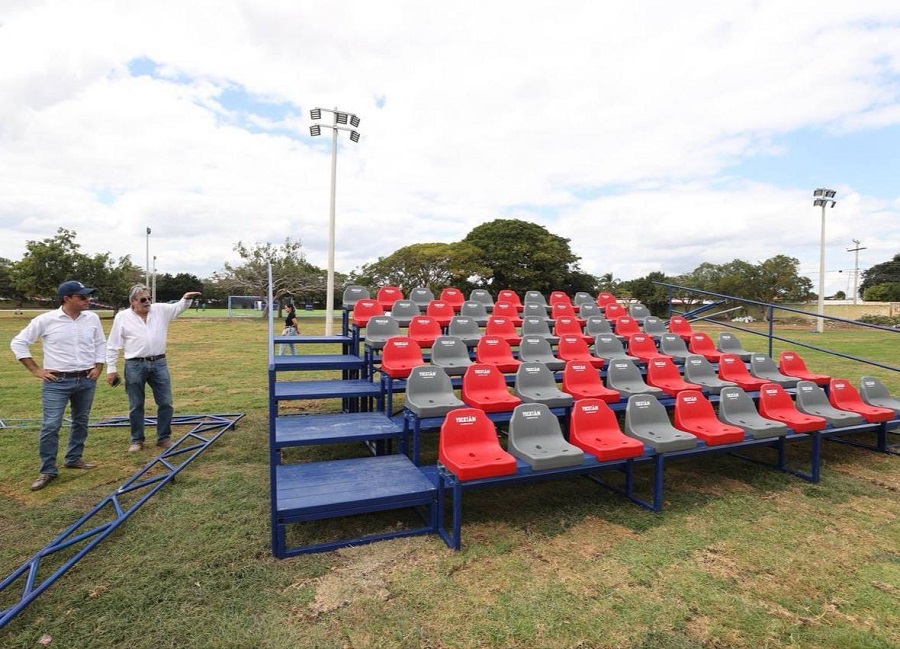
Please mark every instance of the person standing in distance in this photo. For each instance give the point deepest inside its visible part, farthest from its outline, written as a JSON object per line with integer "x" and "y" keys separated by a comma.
{"x": 74, "y": 352}
{"x": 291, "y": 327}
{"x": 140, "y": 334}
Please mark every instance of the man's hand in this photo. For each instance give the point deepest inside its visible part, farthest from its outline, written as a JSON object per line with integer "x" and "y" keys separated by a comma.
{"x": 191, "y": 294}
{"x": 113, "y": 379}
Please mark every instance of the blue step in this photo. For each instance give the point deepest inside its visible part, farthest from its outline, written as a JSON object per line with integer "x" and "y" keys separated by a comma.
{"x": 336, "y": 388}
{"x": 319, "y": 362}
{"x": 302, "y": 430}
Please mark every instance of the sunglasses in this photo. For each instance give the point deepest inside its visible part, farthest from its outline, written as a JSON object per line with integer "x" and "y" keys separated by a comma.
{"x": 81, "y": 297}
{"x": 143, "y": 300}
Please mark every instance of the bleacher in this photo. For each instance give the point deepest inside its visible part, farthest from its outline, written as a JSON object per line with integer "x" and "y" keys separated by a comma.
{"x": 527, "y": 392}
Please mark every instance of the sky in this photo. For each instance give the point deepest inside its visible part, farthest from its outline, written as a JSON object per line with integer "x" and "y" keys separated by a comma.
{"x": 654, "y": 135}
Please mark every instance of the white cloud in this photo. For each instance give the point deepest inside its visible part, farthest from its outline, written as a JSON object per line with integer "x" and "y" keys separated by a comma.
{"x": 614, "y": 126}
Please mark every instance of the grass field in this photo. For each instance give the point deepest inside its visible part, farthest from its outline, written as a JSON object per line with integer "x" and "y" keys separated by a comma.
{"x": 742, "y": 556}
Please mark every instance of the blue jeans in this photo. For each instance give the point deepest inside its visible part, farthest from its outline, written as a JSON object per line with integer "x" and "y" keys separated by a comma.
{"x": 156, "y": 375}
{"x": 55, "y": 395}
{"x": 288, "y": 331}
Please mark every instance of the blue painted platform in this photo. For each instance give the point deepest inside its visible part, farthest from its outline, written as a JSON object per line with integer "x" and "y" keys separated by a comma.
{"x": 319, "y": 362}
{"x": 304, "y": 430}
{"x": 286, "y": 390}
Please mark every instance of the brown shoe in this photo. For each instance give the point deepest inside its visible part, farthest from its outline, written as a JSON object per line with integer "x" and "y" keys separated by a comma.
{"x": 135, "y": 447}
{"x": 164, "y": 443}
{"x": 43, "y": 480}
{"x": 80, "y": 464}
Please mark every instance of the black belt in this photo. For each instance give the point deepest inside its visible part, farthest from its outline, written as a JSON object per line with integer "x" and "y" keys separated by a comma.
{"x": 81, "y": 374}
{"x": 146, "y": 358}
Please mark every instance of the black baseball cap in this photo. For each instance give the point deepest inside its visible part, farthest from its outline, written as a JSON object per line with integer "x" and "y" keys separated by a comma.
{"x": 73, "y": 287}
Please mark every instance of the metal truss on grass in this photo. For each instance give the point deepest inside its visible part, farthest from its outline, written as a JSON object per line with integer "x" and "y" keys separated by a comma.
{"x": 107, "y": 515}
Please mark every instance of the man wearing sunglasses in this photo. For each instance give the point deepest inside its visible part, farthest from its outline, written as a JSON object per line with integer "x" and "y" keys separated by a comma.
{"x": 140, "y": 333}
{"x": 74, "y": 351}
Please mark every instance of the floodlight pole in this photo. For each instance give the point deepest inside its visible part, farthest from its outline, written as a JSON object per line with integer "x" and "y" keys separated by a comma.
{"x": 339, "y": 118}
{"x": 855, "y": 267}
{"x": 147, "y": 266}
{"x": 822, "y": 197}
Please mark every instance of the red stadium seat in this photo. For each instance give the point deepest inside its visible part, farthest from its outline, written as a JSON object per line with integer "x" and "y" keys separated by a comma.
{"x": 399, "y": 356}
{"x": 510, "y": 296}
{"x": 454, "y": 297}
{"x": 842, "y": 395}
{"x": 574, "y": 348}
{"x": 694, "y": 414}
{"x": 605, "y": 298}
{"x": 484, "y": 387}
{"x": 582, "y": 381}
{"x": 364, "y": 310}
{"x": 775, "y": 403}
{"x": 504, "y": 328}
{"x": 469, "y": 447}
{"x": 508, "y": 310}
{"x": 569, "y": 326}
{"x": 732, "y": 368}
{"x": 594, "y": 428}
{"x": 662, "y": 373}
{"x": 424, "y": 330}
{"x": 643, "y": 347}
{"x": 441, "y": 311}
{"x": 494, "y": 350}
{"x": 625, "y": 326}
{"x": 559, "y": 297}
{"x": 791, "y": 364}
{"x": 387, "y": 295}
{"x": 613, "y": 311}
{"x": 680, "y": 326}
{"x": 701, "y": 343}
{"x": 564, "y": 310}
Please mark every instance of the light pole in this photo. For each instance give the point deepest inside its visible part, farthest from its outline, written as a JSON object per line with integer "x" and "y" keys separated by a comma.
{"x": 340, "y": 119}
{"x": 855, "y": 267}
{"x": 147, "y": 266}
{"x": 153, "y": 280}
{"x": 822, "y": 198}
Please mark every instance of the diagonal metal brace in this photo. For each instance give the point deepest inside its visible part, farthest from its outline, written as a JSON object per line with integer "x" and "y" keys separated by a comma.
{"x": 206, "y": 430}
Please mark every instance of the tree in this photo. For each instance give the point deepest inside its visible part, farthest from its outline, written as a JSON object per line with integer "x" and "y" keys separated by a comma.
{"x": 778, "y": 280}
{"x": 291, "y": 273}
{"x": 433, "y": 265}
{"x": 655, "y": 298}
{"x": 172, "y": 288}
{"x": 887, "y": 272}
{"x": 523, "y": 256}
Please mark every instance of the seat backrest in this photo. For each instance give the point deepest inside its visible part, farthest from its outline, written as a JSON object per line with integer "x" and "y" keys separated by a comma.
{"x": 387, "y": 295}
{"x": 537, "y": 348}
{"x": 673, "y": 345}
{"x": 591, "y": 416}
{"x": 642, "y": 346}
{"x": 399, "y": 355}
{"x": 481, "y": 295}
{"x": 483, "y": 383}
{"x": 679, "y": 325}
{"x": 701, "y": 343}
{"x": 535, "y": 309}
{"x": 873, "y": 391}
{"x": 700, "y": 371}
{"x": 608, "y": 346}
{"x": 379, "y": 329}
{"x": 534, "y": 375}
{"x": 614, "y": 310}
{"x": 626, "y": 326}
{"x": 536, "y": 437}
{"x": 424, "y": 327}
{"x": 466, "y": 427}
{"x": 429, "y": 392}
{"x": 562, "y": 309}
{"x": 421, "y": 295}
{"x": 580, "y": 373}
{"x": 536, "y": 297}
{"x": 638, "y": 311}
{"x": 604, "y": 298}
{"x": 474, "y": 309}
{"x": 731, "y": 366}
{"x": 510, "y": 296}
{"x": 559, "y": 297}
{"x": 842, "y": 394}
{"x": 532, "y": 326}
{"x": 505, "y": 309}
{"x": 404, "y": 310}
{"x": 595, "y": 325}
{"x": 764, "y": 367}
{"x": 464, "y": 327}
{"x": 451, "y": 353}
{"x": 662, "y": 369}
{"x": 691, "y": 405}
{"x": 654, "y": 326}
{"x": 353, "y": 293}
{"x": 583, "y": 297}
{"x": 493, "y": 348}
{"x": 622, "y": 372}
{"x": 440, "y": 310}
{"x": 773, "y": 397}
{"x": 567, "y": 326}
{"x": 589, "y": 309}
{"x": 737, "y": 408}
{"x": 645, "y": 414}
{"x": 501, "y": 326}
{"x": 573, "y": 347}
{"x": 728, "y": 343}
{"x": 453, "y": 296}
{"x": 364, "y": 310}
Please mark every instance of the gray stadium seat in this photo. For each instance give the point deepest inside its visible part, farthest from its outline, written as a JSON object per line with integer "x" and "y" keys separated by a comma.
{"x": 466, "y": 328}
{"x": 481, "y": 295}
{"x": 673, "y": 345}
{"x": 874, "y": 393}
{"x": 589, "y": 309}
{"x": 352, "y": 293}
{"x": 476, "y": 310}
{"x": 638, "y": 311}
{"x": 653, "y": 326}
{"x": 582, "y": 297}
{"x": 646, "y": 419}
{"x": 537, "y": 348}
{"x": 403, "y": 311}
{"x": 535, "y": 384}
{"x": 595, "y": 325}
{"x": 624, "y": 376}
{"x": 535, "y": 309}
{"x": 536, "y": 297}
{"x": 535, "y": 326}
{"x": 737, "y": 408}
{"x": 700, "y": 371}
{"x": 429, "y": 392}
{"x": 379, "y": 329}
{"x": 729, "y": 344}
{"x": 451, "y": 354}
{"x": 763, "y": 367}
{"x": 421, "y": 296}
{"x": 536, "y": 438}
{"x": 610, "y": 348}
{"x": 812, "y": 400}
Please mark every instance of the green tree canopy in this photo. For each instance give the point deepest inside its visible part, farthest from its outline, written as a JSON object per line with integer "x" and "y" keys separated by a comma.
{"x": 881, "y": 282}
{"x": 172, "y": 288}
{"x": 433, "y": 265}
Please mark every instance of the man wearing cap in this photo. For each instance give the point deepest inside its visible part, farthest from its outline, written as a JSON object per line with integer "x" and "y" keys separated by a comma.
{"x": 74, "y": 353}
{"x": 140, "y": 333}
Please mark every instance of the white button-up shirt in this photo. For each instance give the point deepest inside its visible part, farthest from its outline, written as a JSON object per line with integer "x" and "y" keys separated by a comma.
{"x": 137, "y": 338}
{"x": 70, "y": 345}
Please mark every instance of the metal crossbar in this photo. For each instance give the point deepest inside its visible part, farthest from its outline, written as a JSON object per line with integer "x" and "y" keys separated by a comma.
{"x": 88, "y": 532}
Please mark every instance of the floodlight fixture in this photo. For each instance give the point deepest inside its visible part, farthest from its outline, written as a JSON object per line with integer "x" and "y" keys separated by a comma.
{"x": 316, "y": 113}
{"x": 315, "y": 130}
{"x": 354, "y": 136}
{"x": 340, "y": 118}
{"x": 354, "y": 121}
